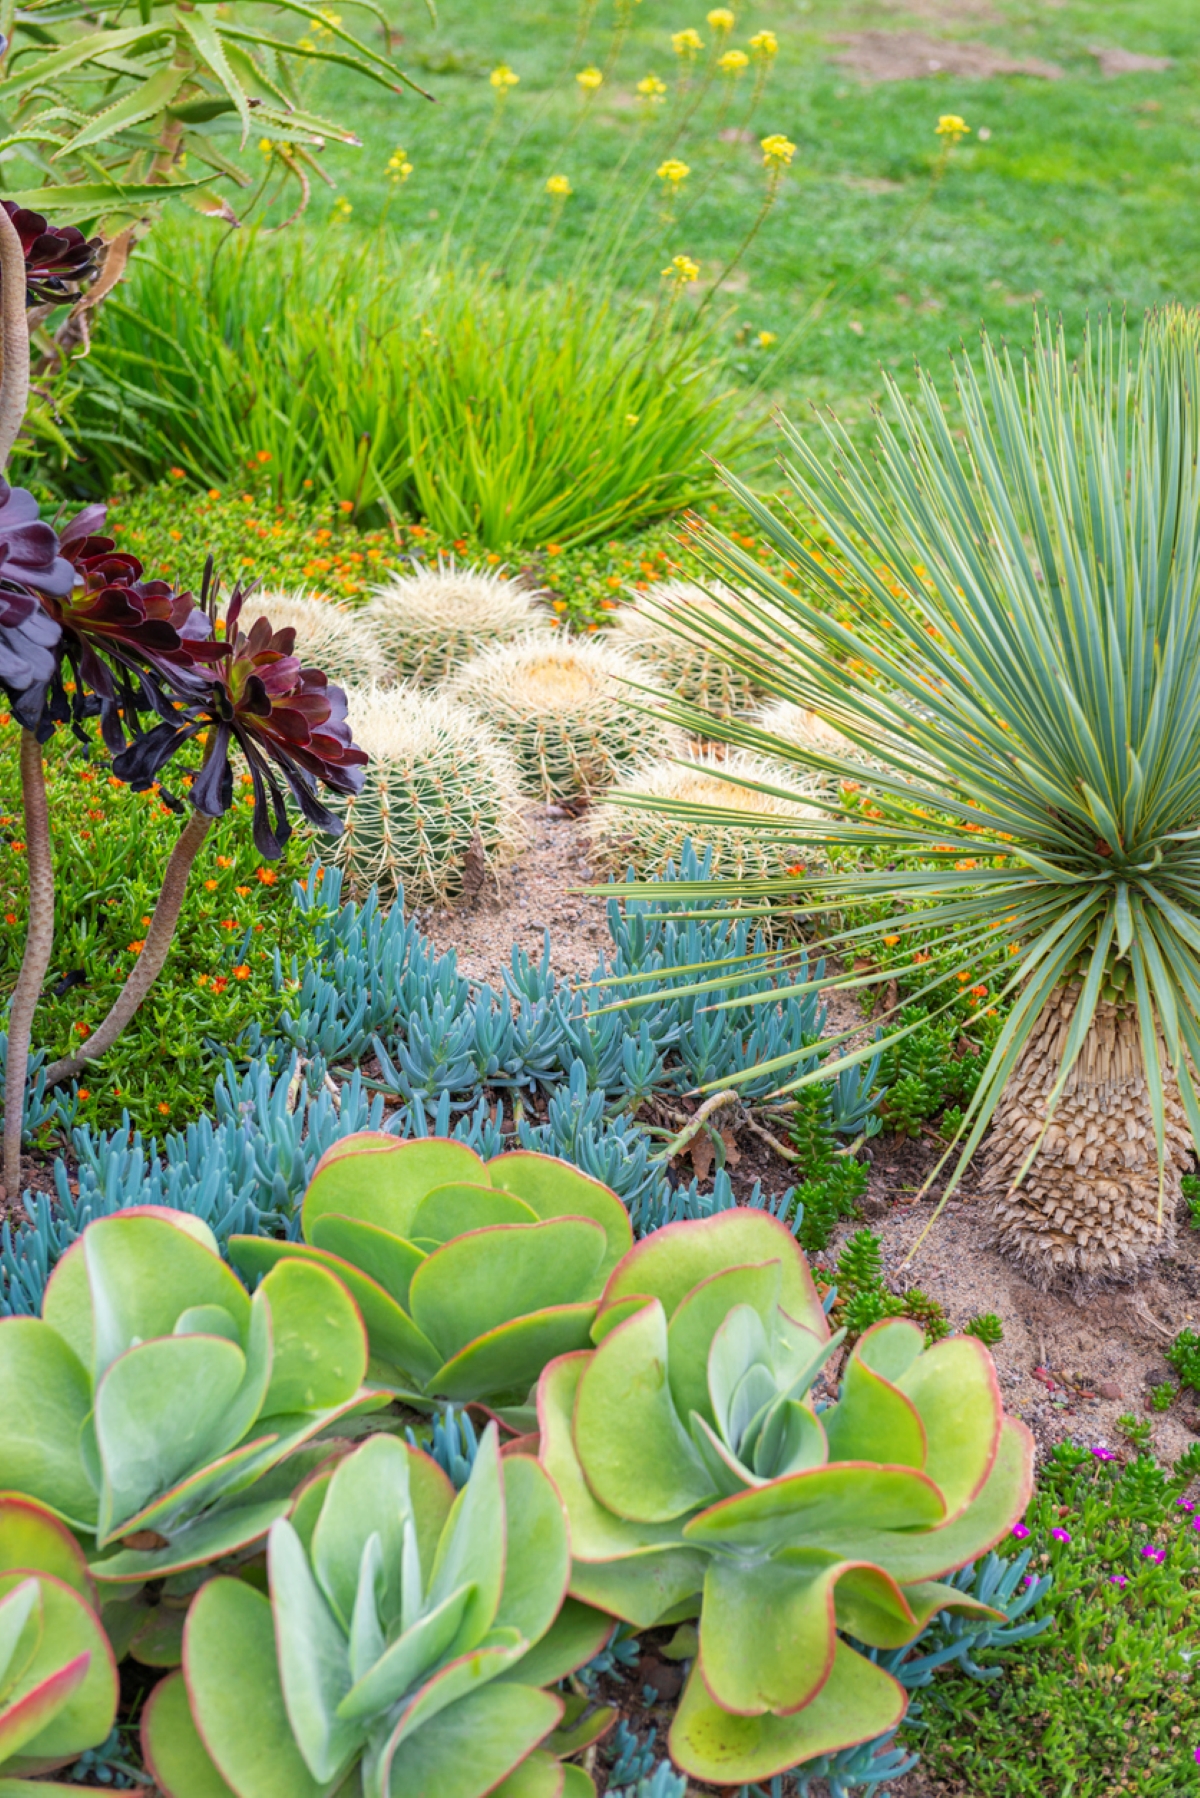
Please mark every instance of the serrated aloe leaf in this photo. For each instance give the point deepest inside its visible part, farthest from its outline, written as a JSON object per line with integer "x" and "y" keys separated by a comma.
{"x": 368, "y": 1495}
{"x": 453, "y": 1210}
{"x": 698, "y": 1318}
{"x": 577, "y": 1634}
{"x": 790, "y": 1440}
{"x": 320, "y": 1345}
{"x": 314, "y": 1664}
{"x": 20, "y": 1627}
{"x": 236, "y": 1698}
{"x": 161, "y": 1411}
{"x": 480, "y": 1281}
{"x": 825, "y": 1507}
{"x": 382, "y": 1181}
{"x": 179, "y": 1763}
{"x": 471, "y": 1551}
{"x": 669, "y": 1263}
{"x": 393, "y": 1335}
{"x": 636, "y": 1456}
{"x": 537, "y": 1552}
{"x": 505, "y": 1362}
{"x": 32, "y": 1537}
{"x": 70, "y": 1681}
{"x": 407, "y": 1659}
{"x": 890, "y": 1347}
{"x": 858, "y": 1701}
{"x": 954, "y": 1388}
{"x": 47, "y": 1398}
{"x": 501, "y": 1724}
{"x": 555, "y": 1189}
{"x": 597, "y": 1534}
{"x": 142, "y": 1273}
{"x": 461, "y": 1705}
{"x": 391, "y": 1261}
{"x": 873, "y": 1421}
{"x": 538, "y": 1776}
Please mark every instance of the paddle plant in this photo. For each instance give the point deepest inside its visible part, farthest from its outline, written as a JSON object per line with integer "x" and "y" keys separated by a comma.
{"x": 158, "y": 1409}
{"x": 403, "y": 1647}
{"x": 1008, "y": 629}
{"x": 702, "y": 1478}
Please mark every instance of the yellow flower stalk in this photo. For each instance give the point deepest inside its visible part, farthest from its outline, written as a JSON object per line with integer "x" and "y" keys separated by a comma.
{"x": 686, "y": 43}
{"x": 673, "y": 170}
{"x": 399, "y": 168}
{"x": 721, "y": 20}
{"x": 777, "y": 151}
{"x": 764, "y": 44}
{"x": 559, "y": 186}
{"x": 502, "y": 78}
{"x": 733, "y": 62}
{"x": 951, "y": 127}
{"x": 681, "y": 270}
{"x": 651, "y": 88}
{"x": 589, "y": 80}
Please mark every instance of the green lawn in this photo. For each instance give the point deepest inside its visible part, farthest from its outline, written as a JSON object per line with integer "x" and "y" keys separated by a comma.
{"x": 1083, "y": 194}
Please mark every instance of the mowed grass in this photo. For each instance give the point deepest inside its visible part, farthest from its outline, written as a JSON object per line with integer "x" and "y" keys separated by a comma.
{"x": 1083, "y": 194}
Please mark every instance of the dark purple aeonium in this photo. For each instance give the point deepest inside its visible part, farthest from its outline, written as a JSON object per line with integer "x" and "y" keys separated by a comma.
{"x": 59, "y": 259}
{"x": 29, "y": 636}
{"x": 247, "y": 689}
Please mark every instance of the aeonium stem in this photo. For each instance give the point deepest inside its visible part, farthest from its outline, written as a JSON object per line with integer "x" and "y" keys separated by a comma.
{"x": 14, "y": 338}
{"x": 149, "y": 964}
{"x": 39, "y": 946}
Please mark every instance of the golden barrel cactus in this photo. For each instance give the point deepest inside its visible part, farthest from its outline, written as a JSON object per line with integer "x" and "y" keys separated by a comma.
{"x": 428, "y": 623}
{"x": 328, "y": 636}
{"x": 694, "y": 671}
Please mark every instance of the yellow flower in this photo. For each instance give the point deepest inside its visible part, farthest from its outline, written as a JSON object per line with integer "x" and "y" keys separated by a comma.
{"x": 686, "y": 43}
{"x": 306, "y": 43}
{"x": 341, "y": 211}
{"x": 631, "y": 419}
{"x": 559, "y": 186}
{"x": 765, "y": 44}
{"x": 651, "y": 88}
{"x": 951, "y": 126}
{"x": 777, "y": 150}
{"x": 721, "y": 19}
{"x": 266, "y": 145}
{"x": 399, "y": 168}
{"x": 590, "y": 79}
{"x": 673, "y": 170}
{"x": 765, "y": 339}
{"x": 733, "y": 62}
{"x": 502, "y": 78}
{"x": 682, "y": 270}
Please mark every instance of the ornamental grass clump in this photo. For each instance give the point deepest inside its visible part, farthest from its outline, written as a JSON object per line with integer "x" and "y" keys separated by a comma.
{"x": 755, "y": 840}
{"x": 568, "y": 711}
{"x": 328, "y": 636}
{"x": 439, "y": 811}
{"x": 427, "y": 624}
{"x": 1013, "y": 631}
{"x": 701, "y": 1481}
{"x": 694, "y": 671}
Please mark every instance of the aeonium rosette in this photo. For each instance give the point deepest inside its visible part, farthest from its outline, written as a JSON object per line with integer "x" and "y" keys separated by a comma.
{"x": 59, "y": 259}
{"x": 247, "y": 688}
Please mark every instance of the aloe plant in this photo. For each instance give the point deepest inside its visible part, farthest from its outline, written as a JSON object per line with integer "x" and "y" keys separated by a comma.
{"x": 153, "y": 1405}
{"x": 58, "y": 1679}
{"x": 470, "y": 1275}
{"x": 700, "y": 1479}
{"x": 401, "y": 1651}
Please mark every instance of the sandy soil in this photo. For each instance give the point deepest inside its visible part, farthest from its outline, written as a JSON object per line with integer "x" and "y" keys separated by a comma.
{"x": 911, "y": 56}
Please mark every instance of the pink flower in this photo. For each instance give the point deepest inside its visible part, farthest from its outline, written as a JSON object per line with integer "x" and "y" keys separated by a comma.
{"x": 1184, "y": 1504}
{"x": 1150, "y": 1553}
{"x": 1061, "y": 1535}
{"x": 1196, "y": 1523}
{"x": 1117, "y": 1579}
{"x": 1103, "y": 1454}
{"x": 1020, "y": 1531}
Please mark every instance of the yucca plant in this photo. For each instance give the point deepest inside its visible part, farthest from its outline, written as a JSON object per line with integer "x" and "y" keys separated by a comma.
{"x": 1010, "y": 625}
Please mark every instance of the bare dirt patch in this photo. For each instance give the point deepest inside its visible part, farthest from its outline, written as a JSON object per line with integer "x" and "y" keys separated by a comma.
{"x": 1129, "y": 62}
{"x": 911, "y": 56}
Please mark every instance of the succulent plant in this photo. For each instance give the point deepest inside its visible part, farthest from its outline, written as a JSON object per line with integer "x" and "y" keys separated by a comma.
{"x": 692, "y": 670}
{"x": 58, "y": 1679}
{"x": 328, "y": 636}
{"x": 699, "y": 1479}
{"x": 428, "y": 623}
{"x": 470, "y": 1275}
{"x": 440, "y": 803}
{"x": 404, "y": 1644}
{"x": 623, "y": 835}
{"x": 568, "y": 709}
{"x": 150, "y": 1402}
{"x": 59, "y": 259}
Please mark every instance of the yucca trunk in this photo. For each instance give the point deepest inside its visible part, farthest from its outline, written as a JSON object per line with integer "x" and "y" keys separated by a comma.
{"x": 1088, "y": 1209}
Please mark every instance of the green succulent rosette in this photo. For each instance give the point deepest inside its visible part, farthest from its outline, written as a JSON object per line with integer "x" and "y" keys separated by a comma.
{"x": 403, "y": 1648}
{"x": 154, "y": 1404}
{"x": 58, "y": 1679}
{"x": 470, "y": 1275}
{"x": 700, "y": 1479}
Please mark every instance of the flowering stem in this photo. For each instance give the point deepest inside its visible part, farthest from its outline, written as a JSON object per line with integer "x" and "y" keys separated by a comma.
{"x": 14, "y": 338}
{"x": 149, "y": 964}
{"x": 39, "y": 945}
{"x": 768, "y": 201}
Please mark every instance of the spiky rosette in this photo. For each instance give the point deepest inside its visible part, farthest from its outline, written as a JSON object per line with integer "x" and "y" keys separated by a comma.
{"x": 328, "y": 636}
{"x": 569, "y": 711}
{"x": 439, "y": 808}
{"x": 59, "y": 260}
{"x": 625, "y": 835}
{"x": 694, "y": 671}
{"x": 428, "y": 623}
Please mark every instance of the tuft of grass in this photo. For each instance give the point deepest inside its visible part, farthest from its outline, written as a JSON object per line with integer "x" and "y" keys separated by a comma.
{"x": 987, "y": 1327}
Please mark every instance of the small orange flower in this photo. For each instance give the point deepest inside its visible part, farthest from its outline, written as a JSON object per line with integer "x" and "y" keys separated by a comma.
{"x": 10, "y": 917}
{"x": 219, "y": 984}
{"x": 137, "y": 945}
{"x": 979, "y": 992}
{"x": 224, "y": 861}
{"x": 345, "y": 505}
{"x": 210, "y": 886}
{"x": 241, "y": 891}
{"x": 83, "y": 1030}
{"x": 963, "y": 976}
{"x": 164, "y": 1108}
{"x": 228, "y": 923}
{"x": 84, "y": 1093}
{"x": 920, "y": 955}
{"x": 17, "y": 848}
{"x": 268, "y": 876}
{"x": 177, "y": 474}
{"x": 891, "y": 941}
{"x": 242, "y": 972}
{"x": 202, "y": 980}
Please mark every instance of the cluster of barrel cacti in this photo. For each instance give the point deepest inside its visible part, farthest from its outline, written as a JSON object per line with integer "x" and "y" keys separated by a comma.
{"x": 693, "y": 671}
